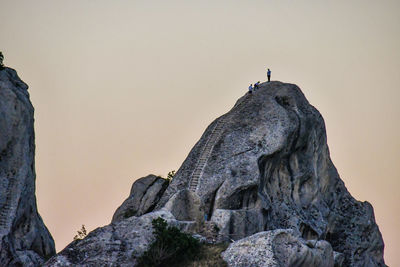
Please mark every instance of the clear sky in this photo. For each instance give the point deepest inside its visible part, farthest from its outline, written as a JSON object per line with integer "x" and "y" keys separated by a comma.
{"x": 125, "y": 88}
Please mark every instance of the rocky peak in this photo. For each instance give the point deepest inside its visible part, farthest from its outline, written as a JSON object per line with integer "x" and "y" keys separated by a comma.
{"x": 263, "y": 167}
{"x": 25, "y": 239}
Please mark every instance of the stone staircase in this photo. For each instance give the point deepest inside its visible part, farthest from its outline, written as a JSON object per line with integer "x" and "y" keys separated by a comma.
{"x": 5, "y": 210}
{"x": 206, "y": 153}
{"x": 208, "y": 148}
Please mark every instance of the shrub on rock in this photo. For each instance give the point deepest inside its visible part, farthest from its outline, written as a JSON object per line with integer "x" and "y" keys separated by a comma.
{"x": 171, "y": 246}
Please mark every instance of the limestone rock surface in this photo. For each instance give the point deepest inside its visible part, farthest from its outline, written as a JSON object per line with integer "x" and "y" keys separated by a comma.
{"x": 145, "y": 194}
{"x": 265, "y": 165}
{"x": 117, "y": 244}
{"x": 278, "y": 248}
{"x": 25, "y": 240}
{"x": 262, "y": 167}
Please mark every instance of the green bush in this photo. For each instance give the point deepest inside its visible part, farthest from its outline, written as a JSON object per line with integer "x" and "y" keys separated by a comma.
{"x": 170, "y": 176}
{"x": 1, "y": 59}
{"x": 170, "y": 247}
{"x": 81, "y": 233}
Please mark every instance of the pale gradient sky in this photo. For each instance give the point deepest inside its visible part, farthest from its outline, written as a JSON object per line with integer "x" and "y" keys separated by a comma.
{"x": 125, "y": 88}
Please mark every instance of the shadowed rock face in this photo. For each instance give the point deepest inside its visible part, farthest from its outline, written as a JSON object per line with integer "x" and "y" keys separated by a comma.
{"x": 25, "y": 239}
{"x": 265, "y": 165}
{"x": 145, "y": 194}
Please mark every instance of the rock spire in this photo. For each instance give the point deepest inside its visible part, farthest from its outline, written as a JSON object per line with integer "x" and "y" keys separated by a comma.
{"x": 25, "y": 240}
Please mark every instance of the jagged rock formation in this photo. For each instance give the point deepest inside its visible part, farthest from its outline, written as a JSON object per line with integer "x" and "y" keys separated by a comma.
{"x": 278, "y": 248}
{"x": 264, "y": 166}
{"x": 269, "y": 168}
{"x": 145, "y": 194}
{"x": 25, "y": 240}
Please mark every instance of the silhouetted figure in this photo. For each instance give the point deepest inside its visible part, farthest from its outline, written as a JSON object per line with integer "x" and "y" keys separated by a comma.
{"x": 1, "y": 61}
{"x": 251, "y": 88}
{"x": 269, "y": 75}
{"x": 256, "y": 86}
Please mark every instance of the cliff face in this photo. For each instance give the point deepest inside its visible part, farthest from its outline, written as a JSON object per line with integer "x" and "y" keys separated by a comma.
{"x": 263, "y": 166}
{"x": 25, "y": 239}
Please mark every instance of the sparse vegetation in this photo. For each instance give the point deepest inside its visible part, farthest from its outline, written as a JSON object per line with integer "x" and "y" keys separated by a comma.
{"x": 170, "y": 247}
{"x": 1, "y": 59}
{"x": 81, "y": 233}
{"x": 170, "y": 175}
{"x": 209, "y": 255}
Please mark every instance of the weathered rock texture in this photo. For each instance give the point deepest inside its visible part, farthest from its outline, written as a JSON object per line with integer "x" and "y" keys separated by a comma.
{"x": 265, "y": 165}
{"x": 145, "y": 194}
{"x": 278, "y": 248}
{"x": 262, "y": 166}
{"x": 117, "y": 244}
{"x": 25, "y": 240}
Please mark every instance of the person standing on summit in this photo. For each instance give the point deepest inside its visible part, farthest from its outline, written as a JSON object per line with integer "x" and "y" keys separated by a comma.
{"x": 251, "y": 88}
{"x": 269, "y": 75}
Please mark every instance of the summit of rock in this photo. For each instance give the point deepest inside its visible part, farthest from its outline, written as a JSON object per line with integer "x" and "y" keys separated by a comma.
{"x": 263, "y": 167}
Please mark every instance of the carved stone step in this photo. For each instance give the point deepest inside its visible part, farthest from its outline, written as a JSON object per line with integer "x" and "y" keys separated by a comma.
{"x": 207, "y": 151}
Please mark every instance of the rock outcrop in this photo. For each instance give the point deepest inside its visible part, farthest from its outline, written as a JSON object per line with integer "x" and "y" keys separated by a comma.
{"x": 25, "y": 240}
{"x": 265, "y": 165}
{"x": 278, "y": 248}
{"x": 117, "y": 244}
{"x": 261, "y": 167}
{"x": 145, "y": 194}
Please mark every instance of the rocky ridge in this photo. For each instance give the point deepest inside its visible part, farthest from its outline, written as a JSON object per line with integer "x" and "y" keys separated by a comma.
{"x": 25, "y": 240}
{"x": 260, "y": 174}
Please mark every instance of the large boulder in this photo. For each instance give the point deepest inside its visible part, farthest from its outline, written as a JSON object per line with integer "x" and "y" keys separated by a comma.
{"x": 25, "y": 240}
{"x": 265, "y": 165}
{"x": 186, "y": 206}
{"x": 278, "y": 248}
{"x": 145, "y": 194}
